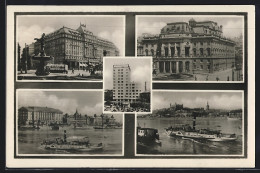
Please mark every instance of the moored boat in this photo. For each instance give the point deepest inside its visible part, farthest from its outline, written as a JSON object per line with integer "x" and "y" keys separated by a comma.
{"x": 148, "y": 136}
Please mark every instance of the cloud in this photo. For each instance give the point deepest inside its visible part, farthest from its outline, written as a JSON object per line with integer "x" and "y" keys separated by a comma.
{"x": 160, "y": 102}
{"x": 39, "y": 98}
{"x": 27, "y": 34}
{"x": 142, "y": 74}
{"x": 91, "y": 110}
{"x": 216, "y": 101}
{"x": 151, "y": 28}
{"x": 116, "y": 37}
{"x": 233, "y": 29}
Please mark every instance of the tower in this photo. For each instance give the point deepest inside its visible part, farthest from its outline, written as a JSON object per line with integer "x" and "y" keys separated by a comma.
{"x": 207, "y": 107}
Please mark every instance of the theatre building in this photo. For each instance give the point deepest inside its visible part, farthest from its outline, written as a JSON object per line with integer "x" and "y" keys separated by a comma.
{"x": 32, "y": 115}
{"x": 125, "y": 91}
{"x": 193, "y": 47}
{"x": 77, "y": 47}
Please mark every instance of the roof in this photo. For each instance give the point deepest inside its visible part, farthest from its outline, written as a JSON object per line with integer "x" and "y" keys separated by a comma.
{"x": 174, "y": 23}
{"x": 41, "y": 109}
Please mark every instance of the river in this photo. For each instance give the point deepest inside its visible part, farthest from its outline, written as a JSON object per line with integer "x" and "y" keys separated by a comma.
{"x": 178, "y": 146}
{"x": 29, "y": 141}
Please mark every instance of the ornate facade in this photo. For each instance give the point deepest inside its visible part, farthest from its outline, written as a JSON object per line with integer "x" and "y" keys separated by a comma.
{"x": 77, "y": 48}
{"x": 32, "y": 115}
{"x": 194, "y": 47}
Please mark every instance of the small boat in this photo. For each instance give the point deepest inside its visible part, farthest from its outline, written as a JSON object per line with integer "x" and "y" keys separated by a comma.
{"x": 148, "y": 136}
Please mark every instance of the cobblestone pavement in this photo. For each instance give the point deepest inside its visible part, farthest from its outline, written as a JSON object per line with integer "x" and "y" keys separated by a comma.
{"x": 223, "y": 75}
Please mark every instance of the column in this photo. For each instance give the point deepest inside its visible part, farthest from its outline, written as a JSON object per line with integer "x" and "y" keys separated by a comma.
{"x": 164, "y": 67}
{"x": 162, "y": 50}
{"x": 170, "y": 66}
{"x": 177, "y": 67}
{"x": 175, "y": 48}
{"x": 169, "y": 49}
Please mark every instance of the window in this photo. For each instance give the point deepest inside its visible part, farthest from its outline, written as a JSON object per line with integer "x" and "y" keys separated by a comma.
{"x": 201, "y": 66}
{"x": 201, "y": 43}
{"x": 201, "y": 60}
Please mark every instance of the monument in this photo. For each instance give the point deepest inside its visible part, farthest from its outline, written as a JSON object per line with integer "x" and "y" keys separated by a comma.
{"x": 42, "y": 58}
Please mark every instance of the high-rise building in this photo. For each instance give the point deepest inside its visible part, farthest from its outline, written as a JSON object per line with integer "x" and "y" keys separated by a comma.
{"x": 188, "y": 47}
{"x": 76, "y": 47}
{"x": 125, "y": 91}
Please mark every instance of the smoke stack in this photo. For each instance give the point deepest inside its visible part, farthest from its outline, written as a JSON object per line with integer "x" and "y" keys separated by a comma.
{"x": 194, "y": 120}
{"x": 145, "y": 86}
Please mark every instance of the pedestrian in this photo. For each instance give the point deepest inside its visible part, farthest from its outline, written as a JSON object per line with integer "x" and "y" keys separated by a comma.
{"x": 217, "y": 78}
{"x": 228, "y": 78}
{"x": 195, "y": 77}
{"x": 72, "y": 70}
{"x": 207, "y": 78}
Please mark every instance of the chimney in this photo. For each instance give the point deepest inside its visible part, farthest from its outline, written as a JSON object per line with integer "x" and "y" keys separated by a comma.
{"x": 145, "y": 86}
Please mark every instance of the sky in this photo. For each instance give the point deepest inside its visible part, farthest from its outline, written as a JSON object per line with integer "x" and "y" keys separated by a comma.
{"x": 140, "y": 71}
{"x": 232, "y": 25}
{"x": 216, "y": 100}
{"x": 32, "y": 26}
{"x": 86, "y": 102}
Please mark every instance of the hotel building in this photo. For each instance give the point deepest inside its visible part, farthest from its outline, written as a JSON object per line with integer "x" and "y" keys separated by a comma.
{"x": 125, "y": 91}
{"x": 76, "y": 47}
{"x": 193, "y": 47}
{"x": 32, "y": 115}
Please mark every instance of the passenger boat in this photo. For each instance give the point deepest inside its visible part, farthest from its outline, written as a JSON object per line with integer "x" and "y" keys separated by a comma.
{"x": 71, "y": 144}
{"x": 188, "y": 132}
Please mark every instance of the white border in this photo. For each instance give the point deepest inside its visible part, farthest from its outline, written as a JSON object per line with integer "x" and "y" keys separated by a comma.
{"x": 200, "y": 155}
{"x": 11, "y": 162}
{"x": 65, "y": 15}
{"x": 137, "y": 58}
{"x": 206, "y": 15}
{"x": 69, "y": 155}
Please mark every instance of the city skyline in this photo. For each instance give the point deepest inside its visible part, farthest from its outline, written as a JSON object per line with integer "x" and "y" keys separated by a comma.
{"x": 232, "y": 25}
{"x": 110, "y": 28}
{"x": 85, "y": 102}
{"x": 140, "y": 71}
{"x": 216, "y": 100}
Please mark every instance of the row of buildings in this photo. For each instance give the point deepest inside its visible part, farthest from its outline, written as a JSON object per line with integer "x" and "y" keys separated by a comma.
{"x": 189, "y": 47}
{"x": 178, "y": 110}
{"x": 75, "y": 47}
{"x": 33, "y": 116}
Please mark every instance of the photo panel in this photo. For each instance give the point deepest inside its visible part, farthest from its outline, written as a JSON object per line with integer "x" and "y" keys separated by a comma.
{"x": 66, "y": 47}
{"x": 66, "y": 123}
{"x": 127, "y": 84}
{"x": 193, "y": 123}
{"x": 193, "y": 48}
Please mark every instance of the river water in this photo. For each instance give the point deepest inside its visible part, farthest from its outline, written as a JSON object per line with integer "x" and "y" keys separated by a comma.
{"x": 29, "y": 141}
{"x": 178, "y": 146}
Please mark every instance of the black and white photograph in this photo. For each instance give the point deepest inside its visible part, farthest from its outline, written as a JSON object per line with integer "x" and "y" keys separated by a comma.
{"x": 193, "y": 48}
{"x": 192, "y": 123}
{"x": 68, "y": 122}
{"x": 127, "y": 84}
{"x": 122, "y": 86}
{"x": 66, "y": 47}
